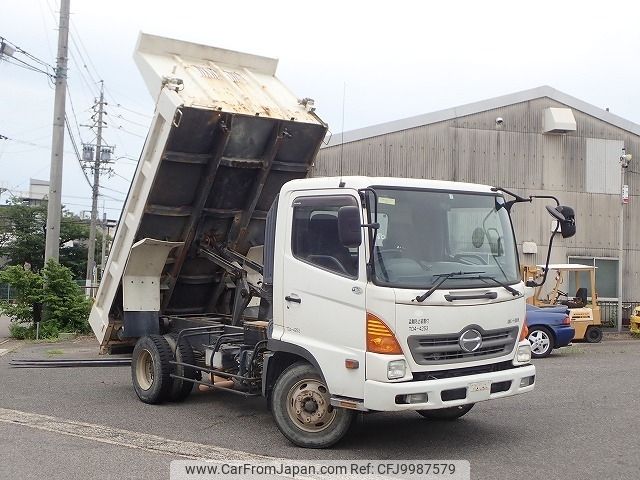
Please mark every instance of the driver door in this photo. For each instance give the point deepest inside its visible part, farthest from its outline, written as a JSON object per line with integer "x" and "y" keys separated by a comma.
{"x": 324, "y": 290}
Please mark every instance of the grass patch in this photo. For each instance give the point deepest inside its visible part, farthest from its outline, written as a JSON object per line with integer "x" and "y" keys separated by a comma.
{"x": 574, "y": 349}
{"x": 55, "y": 351}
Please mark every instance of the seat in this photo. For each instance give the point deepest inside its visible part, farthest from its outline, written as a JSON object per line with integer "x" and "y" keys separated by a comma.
{"x": 324, "y": 247}
{"x": 579, "y": 301}
{"x": 581, "y": 297}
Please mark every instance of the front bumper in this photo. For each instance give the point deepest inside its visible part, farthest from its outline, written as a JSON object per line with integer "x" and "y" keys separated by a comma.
{"x": 382, "y": 396}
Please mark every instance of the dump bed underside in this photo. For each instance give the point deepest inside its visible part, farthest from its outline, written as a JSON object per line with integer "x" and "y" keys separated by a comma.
{"x": 219, "y": 174}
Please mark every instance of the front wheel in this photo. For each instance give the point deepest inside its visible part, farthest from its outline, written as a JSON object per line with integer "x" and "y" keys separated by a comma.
{"x": 449, "y": 413}
{"x": 301, "y": 407}
{"x": 593, "y": 335}
{"x": 541, "y": 342}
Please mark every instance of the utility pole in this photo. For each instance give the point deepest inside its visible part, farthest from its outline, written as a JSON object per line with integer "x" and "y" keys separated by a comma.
{"x": 54, "y": 204}
{"x": 625, "y": 158}
{"x": 105, "y": 231}
{"x": 96, "y": 191}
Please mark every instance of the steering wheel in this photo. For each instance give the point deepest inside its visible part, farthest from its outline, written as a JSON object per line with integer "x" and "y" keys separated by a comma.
{"x": 390, "y": 253}
{"x": 459, "y": 257}
{"x": 329, "y": 262}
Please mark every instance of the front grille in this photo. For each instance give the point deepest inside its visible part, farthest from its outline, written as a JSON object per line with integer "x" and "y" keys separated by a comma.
{"x": 438, "y": 349}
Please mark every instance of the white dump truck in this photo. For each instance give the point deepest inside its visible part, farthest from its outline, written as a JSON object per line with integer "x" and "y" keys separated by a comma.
{"x": 327, "y": 296}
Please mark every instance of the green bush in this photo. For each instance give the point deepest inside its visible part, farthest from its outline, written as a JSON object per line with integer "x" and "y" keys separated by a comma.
{"x": 22, "y": 331}
{"x": 66, "y": 309}
{"x": 66, "y": 306}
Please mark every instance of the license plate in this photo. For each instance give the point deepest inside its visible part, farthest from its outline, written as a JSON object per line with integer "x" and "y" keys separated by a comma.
{"x": 479, "y": 386}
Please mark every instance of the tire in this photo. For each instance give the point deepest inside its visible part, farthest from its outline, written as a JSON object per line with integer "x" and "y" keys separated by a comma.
{"x": 150, "y": 369}
{"x": 593, "y": 334}
{"x": 447, "y": 414}
{"x": 180, "y": 389}
{"x": 301, "y": 408}
{"x": 542, "y": 342}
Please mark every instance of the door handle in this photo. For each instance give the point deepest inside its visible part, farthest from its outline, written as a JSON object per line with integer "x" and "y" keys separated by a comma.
{"x": 289, "y": 298}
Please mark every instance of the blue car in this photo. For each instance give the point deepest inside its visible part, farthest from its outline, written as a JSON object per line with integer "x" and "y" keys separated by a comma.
{"x": 549, "y": 328}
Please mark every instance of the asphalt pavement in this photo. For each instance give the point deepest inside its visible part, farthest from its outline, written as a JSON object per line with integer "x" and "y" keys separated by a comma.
{"x": 581, "y": 422}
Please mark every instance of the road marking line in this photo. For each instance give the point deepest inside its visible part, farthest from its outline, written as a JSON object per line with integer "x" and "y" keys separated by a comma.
{"x": 3, "y": 351}
{"x": 156, "y": 444}
{"x": 144, "y": 441}
{"x": 127, "y": 438}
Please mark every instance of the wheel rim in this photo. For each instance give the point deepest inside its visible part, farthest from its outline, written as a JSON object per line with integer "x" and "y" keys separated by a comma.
{"x": 539, "y": 341}
{"x": 309, "y": 405}
{"x": 144, "y": 370}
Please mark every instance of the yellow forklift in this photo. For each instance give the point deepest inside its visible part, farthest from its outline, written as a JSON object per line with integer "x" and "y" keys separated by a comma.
{"x": 584, "y": 311}
{"x": 634, "y": 321}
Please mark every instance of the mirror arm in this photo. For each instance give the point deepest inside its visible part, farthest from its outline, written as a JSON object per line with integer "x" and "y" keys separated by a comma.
{"x": 546, "y": 196}
{"x": 516, "y": 198}
{"x": 533, "y": 283}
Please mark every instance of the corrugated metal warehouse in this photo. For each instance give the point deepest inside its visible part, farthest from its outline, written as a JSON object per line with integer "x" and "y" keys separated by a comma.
{"x": 538, "y": 141}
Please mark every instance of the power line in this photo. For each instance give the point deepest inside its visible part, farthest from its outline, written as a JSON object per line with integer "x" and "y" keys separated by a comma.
{"x": 22, "y": 64}
{"x": 77, "y": 152}
{"x": 120, "y": 127}
{"x": 131, "y": 121}
{"x": 25, "y": 53}
{"x": 75, "y": 118}
{"x": 117, "y": 105}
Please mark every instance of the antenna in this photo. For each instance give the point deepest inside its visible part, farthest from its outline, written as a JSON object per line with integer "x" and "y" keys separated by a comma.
{"x": 344, "y": 94}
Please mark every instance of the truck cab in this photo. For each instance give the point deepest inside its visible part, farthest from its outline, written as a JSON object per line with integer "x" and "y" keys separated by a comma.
{"x": 360, "y": 310}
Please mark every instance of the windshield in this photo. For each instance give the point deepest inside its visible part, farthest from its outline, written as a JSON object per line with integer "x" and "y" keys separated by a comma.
{"x": 425, "y": 234}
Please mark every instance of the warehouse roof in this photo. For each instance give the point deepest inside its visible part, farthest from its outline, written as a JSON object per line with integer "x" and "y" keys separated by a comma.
{"x": 482, "y": 106}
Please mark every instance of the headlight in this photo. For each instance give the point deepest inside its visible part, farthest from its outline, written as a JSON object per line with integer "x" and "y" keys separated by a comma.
{"x": 396, "y": 369}
{"x": 524, "y": 353}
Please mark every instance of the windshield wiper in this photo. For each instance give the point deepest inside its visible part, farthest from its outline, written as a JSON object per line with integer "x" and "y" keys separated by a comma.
{"x": 510, "y": 289}
{"x": 443, "y": 278}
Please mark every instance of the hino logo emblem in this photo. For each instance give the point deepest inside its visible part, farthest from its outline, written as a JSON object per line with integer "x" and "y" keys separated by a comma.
{"x": 470, "y": 340}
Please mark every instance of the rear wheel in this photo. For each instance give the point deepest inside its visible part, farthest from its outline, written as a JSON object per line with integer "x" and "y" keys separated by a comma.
{"x": 180, "y": 389}
{"x": 541, "y": 341}
{"x": 301, "y": 407}
{"x": 150, "y": 369}
{"x": 449, "y": 413}
{"x": 593, "y": 335}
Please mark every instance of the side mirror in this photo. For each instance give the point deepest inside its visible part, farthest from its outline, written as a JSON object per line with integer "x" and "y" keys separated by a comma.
{"x": 567, "y": 219}
{"x": 349, "y": 226}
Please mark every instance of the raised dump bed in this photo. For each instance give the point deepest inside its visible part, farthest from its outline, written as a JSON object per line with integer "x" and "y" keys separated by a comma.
{"x": 226, "y": 135}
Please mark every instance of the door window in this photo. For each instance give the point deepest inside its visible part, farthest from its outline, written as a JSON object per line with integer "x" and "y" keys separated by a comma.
{"x": 315, "y": 238}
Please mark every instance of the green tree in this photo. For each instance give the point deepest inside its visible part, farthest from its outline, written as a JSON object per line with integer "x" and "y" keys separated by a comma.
{"x": 22, "y": 237}
{"x": 28, "y": 289}
{"x": 66, "y": 309}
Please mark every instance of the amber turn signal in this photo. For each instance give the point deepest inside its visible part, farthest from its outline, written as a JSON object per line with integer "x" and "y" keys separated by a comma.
{"x": 525, "y": 332}
{"x": 380, "y": 339}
